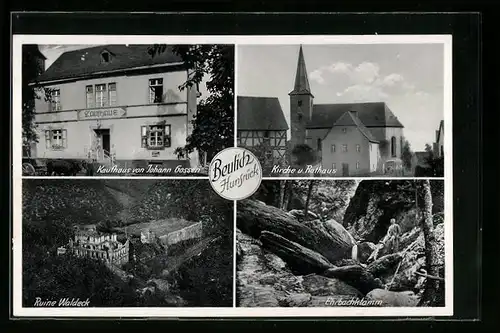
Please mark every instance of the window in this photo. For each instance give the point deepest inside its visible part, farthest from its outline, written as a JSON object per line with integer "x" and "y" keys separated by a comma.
{"x": 357, "y": 165}
{"x": 112, "y": 94}
{"x": 100, "y": 96}
{"x": 155, "y": 90}
{"x": 55, "y": 139}
{"x": 155, "y": 136}
{"x": 334, "y": 166}
{"x": 333, "y": 148}
{"x": 344, "y": 148}
{"x": 89, "y": 90}
{"x": 299, "y": 103}
{"x": 358, "y": 148}
{"x": 393, "y": 146}
{"x": 319, "y": 144}
{"x": 55, "y": 100}
{"x": 105, "y": 57}
{"x": 344, "y": 130}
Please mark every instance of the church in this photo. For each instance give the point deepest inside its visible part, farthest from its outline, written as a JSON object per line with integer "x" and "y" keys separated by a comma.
{"x": 355, "y": 139}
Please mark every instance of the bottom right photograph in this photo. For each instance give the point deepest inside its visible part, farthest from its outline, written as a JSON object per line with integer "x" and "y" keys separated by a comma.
{"x": 324, "y": 243}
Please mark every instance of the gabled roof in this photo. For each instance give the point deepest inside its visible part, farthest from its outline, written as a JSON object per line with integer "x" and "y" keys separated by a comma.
{"x": 301, "y": 85}
{"x": 85, "y": 62}
{"x": 260, "y": 113}
{"x": 349, "y": 119}
{"x": 373, "y": 114}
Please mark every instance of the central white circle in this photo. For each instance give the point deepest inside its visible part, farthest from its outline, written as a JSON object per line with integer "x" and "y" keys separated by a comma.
{"x": 235, "y": 173}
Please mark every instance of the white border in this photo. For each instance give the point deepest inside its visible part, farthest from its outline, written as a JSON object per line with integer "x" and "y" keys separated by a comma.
{"x": 20, "y": 311}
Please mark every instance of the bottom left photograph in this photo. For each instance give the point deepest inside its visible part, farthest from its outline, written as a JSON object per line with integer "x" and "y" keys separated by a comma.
{"x": 126, "y": 243}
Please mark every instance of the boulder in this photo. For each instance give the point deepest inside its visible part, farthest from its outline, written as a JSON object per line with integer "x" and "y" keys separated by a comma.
{"x": 299, "y": 214}
{"x": 318, "y": 285}
{"x": 356, "y": 276}
{"x": 365, "y": 249}
{"x": 295, "y": 300}
{"x": 392, "y": 298}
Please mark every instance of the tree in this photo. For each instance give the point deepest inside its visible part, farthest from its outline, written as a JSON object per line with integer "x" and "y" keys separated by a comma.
{"x": 213, "y": 126}
{"x": 31, "y": 69}
{"x": 308, "y": 198}
{"x": 429, "y": 298}
{"x": 304, "y": 155}
{"x": 407, "y": 155}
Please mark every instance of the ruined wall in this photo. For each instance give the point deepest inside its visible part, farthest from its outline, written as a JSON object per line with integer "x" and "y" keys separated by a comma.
{"x": 193, "y": 231}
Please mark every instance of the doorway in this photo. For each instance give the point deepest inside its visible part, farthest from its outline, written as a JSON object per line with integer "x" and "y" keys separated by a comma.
{"x": 345, "y": 169}
{"x": 103, "y": 142}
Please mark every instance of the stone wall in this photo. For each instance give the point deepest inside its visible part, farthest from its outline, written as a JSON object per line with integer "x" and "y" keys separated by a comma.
{"x": 191, "y": 232}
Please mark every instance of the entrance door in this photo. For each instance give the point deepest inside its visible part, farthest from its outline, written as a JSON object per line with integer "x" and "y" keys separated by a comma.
{"x": 103, "y": 143}
{"x": 345, "y": 169}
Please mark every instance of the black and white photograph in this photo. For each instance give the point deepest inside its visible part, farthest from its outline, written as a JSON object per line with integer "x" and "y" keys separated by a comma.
{"x": 125, "y": 109}
{"x": 342, "y": 243}
{"x": 125, "y": 243}
{"x": 343, "y": 110}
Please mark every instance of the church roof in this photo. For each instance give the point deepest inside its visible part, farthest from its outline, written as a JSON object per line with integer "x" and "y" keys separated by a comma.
{"x": 373, "y": 114}
{"x": 301, "y": 85}
{"x": 350, "y": 119}
{"x": 260, "y": 113}
{"x": 87, "y": 62}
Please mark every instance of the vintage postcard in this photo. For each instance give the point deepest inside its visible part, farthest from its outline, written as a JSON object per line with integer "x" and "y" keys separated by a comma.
{"x": 232, "y": 176}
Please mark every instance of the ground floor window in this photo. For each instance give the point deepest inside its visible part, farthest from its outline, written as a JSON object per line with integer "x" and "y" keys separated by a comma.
{"x": 155, "y": 136}
{"x": 56, "y": 139}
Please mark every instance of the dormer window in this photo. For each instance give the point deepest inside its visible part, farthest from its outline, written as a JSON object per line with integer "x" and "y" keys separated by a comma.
{"x": 105, "y": 57}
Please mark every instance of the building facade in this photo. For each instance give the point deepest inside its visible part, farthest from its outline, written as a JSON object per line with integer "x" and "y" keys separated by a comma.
{"x": 262, "y": 126}
{"x": 88, "y": 242}
{"x": 116, "y": 104}
{"x": 438, "y": 146}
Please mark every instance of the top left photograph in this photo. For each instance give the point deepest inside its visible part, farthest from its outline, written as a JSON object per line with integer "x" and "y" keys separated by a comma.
{"x": 125, "y": 109}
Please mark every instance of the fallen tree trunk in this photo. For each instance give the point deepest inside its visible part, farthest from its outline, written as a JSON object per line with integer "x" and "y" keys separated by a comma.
{"x": 356, "y": 276}
{"x": 253, "y": 218}
{"x": 299, "y": 258}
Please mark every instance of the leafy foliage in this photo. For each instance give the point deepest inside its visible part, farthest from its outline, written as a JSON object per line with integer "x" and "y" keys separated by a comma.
{"x": 304, "y": 155}
{"x": 407, "y": 155}
{"x": 213, "y": 125}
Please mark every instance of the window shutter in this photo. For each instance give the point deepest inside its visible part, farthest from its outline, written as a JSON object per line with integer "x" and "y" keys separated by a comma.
{"x": 64, "y": 138}
{"x": 166, "y": 136}
{"x": 144, "y": 137}
{"x": 47, "y": 139}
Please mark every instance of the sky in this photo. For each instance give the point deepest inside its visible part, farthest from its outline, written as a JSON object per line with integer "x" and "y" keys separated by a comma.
{"x": 52, "y": 52}
{"x": 408, "y": 77}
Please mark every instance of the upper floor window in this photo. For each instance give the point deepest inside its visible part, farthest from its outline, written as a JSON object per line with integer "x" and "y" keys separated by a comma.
{"x": 55, "y": 139}
{"x": 319, "y": 144}
{"x": 55, "y": 100}
{"x": 101, "y": 99}
{"x": 89, "y": 90}
{"x": 344, "y": 148}
{"x": 333, "y": 148}
{"x": 393, "y": 146}
{"x": 357, "y": 165}
{"x": 112, "y": 94}
{"x": 358, "y": 148}
{"x": 155, "y": 90}
{"x": 155, "y": 136}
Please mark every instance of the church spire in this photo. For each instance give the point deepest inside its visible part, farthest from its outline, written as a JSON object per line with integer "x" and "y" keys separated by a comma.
{"x": 301, "y": 81}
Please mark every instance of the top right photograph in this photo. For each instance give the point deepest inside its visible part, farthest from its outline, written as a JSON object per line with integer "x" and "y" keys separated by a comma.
{"x": 343, "y": 110}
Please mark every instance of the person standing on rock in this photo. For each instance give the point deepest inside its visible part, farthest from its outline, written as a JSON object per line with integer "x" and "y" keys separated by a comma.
{"x": 390, "y": 241}
{"x": 324, "y": 211}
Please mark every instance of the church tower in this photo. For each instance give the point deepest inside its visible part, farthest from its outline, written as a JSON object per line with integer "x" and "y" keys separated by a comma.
{"x": 301, "y": 103}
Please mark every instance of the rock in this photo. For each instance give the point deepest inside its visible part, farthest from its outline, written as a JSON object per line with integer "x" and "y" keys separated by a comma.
{"x": 356, "y": 276}
{"x": 365, "y": 249}
{"x": 346, "y": 262}
{"x": 295, "y": 300}
{"x": 298, "y": 257}
{"x": 253, "y": 218}
{"x": 384, "y": 264}
{"x": 318, "y": 285}
{"x": 275, "y": 262}
{"x": 393, "y": 299}
{"x": 257, "y": 296}
{"x": 174, "y": 300}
